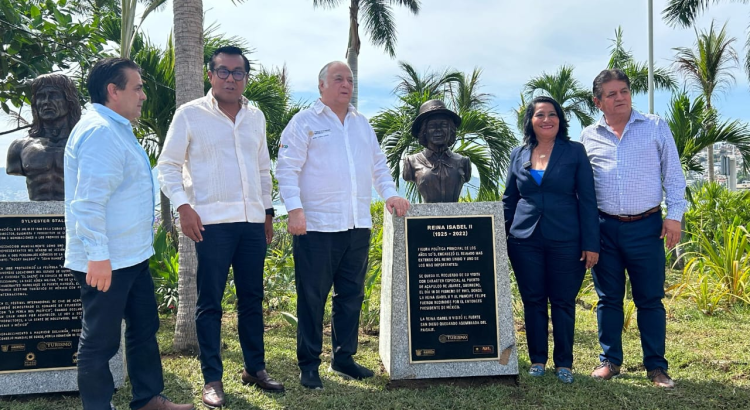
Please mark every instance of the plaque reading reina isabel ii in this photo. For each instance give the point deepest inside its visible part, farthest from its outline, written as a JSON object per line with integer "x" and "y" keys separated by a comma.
{"x": 40, "y": 305}
{"x": 451, "y": 288}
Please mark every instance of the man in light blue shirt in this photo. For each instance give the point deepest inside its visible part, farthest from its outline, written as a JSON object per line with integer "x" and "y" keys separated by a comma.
{"x": 109, "y": 213}
{"x": 636, "y": 165}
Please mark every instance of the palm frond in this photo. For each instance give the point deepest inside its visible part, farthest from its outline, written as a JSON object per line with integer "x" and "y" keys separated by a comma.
{"x": 709, "y": 65}
{"x": 684, "y": 12}
{"x": 329, "y": 4}
{"x": 380, "y": 24}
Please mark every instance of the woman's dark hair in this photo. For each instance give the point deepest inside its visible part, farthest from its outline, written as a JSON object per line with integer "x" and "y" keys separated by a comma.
{"x": 228, "y": 50}
{"x": 108, "y": 71}
{"x": 529, "y": 138}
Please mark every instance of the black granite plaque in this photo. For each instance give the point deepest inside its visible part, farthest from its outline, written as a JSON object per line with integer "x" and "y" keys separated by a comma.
{"x": 40, "y": 305}
{"x": 451, "y": 288}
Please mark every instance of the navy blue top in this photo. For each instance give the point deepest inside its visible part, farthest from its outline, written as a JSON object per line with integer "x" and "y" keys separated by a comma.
{"x": 563, "y": 205}
{"x": 537, "y": 174}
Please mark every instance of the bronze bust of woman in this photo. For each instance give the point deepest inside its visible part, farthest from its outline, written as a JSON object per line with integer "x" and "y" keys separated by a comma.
{"x": 439, "y": 173}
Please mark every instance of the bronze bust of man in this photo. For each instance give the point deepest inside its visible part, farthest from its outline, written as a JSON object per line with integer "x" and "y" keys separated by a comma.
{"x": 438, "y": 172}
{"x": 55, "y": 109}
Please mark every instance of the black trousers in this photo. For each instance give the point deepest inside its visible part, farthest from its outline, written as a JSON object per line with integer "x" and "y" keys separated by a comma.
{"x": 322, "y": 260}
{"x": 634, "y": 247}
{"x": 548, "y": 271}
{"x": 130, "y": 297}
{"x": 243, "y": 246}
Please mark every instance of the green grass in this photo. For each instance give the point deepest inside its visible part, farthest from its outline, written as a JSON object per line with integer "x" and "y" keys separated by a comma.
{"x": 709, "y": 359}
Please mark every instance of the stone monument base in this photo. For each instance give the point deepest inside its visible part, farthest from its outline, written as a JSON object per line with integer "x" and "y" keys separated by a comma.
{"x": 403, "y": 361}
{"x": 54, "y": 380}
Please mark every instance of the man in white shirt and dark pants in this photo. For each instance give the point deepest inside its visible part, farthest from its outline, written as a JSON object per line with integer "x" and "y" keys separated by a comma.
{"x": 329, "y": 160}
{"x": 215, "y": 169}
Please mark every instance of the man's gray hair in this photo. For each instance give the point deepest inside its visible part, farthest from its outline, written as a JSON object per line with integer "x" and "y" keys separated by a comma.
{"x": 323, "y": 75}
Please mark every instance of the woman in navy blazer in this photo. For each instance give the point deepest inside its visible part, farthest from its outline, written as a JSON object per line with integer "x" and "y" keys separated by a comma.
{"x": 552, "y": 226}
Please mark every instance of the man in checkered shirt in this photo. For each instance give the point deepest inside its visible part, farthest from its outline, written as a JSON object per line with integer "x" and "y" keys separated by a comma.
{"x": 635, "y": 163}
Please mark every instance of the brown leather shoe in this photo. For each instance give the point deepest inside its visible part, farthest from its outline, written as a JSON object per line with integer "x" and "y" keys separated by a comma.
{"x": 262, "y": 380}
{"x": 213, "y": 394}
{"x": 605, "y": 370}
{"x": 160, "y": 402}
{"x": 660, "y": 378}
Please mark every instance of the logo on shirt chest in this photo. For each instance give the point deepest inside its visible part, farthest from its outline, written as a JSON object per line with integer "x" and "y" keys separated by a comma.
{"x": 319, "y": 134}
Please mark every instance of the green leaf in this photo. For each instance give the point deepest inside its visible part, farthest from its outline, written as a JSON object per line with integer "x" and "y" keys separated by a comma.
{"x": 34, "y": 12}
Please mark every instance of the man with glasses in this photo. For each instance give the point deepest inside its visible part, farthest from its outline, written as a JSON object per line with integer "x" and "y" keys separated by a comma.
{"x": 215, "y": 169}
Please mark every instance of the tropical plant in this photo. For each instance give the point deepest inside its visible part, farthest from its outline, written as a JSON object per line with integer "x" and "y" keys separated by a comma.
{"x": 713, "y": 206}
{"x": 576, "y": 101}
{"x": 721, "y": 266}
{"x": 379, "y": 25}
{"x": 278, "y": 270}
{"x": 483, "y": 136}
{"x": 708, "y": 68}
{"x": 637, "y": 72}
{"x": 687, "y": 120}
{"x": 164, "y": 268}
{"x": 369, "y": 318}
{"x": 39, "y": 37}
{"x": 685, "y": 12}
{"x": 129, "y": 30}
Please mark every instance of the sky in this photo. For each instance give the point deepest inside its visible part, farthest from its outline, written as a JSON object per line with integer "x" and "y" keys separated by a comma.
{"x": 511, "y": 41}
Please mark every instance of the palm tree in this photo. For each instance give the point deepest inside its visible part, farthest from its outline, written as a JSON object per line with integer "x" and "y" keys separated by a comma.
{"x": 687, "y": 121}
{"x": 685, "y": 12}
{"x": 636, "y": 71}
{"x": 575, "y": 100}
{"x": 708, "y": 68}
{"x": 483, "y": 136}
{"x": 379, "y": 25}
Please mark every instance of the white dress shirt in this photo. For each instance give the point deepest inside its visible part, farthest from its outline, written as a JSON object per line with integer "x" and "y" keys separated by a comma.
{"x": 328, "y": 169}
{"x": 221, "y": 168}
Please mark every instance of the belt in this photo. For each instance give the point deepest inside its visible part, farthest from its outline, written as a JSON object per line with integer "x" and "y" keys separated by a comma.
{"x": 631, "y": 218}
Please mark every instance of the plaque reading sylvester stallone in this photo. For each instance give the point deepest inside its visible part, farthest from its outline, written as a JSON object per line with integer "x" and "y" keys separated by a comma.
{"x": 40, "y": 301}
{"x": 451, "y": 288}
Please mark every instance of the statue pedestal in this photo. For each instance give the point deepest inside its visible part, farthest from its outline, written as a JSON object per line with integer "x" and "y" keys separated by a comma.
{"x": 445, "y": 306}
{"x": 40, "y": 306}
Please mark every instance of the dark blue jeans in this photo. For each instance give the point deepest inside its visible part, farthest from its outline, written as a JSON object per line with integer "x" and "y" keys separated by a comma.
{"x": 322, "y": 260}
{"x": 548, "y": 271}
{"x": 130, "y": 297}
{"x": 243, "y": 246}
{"x": 635, "y": 247}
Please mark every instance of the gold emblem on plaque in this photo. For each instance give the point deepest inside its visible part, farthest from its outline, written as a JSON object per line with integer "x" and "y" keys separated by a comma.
{"x": 30, "y": 360}
{"x": 41, "y": 346}
{"x": 4, "y": 348}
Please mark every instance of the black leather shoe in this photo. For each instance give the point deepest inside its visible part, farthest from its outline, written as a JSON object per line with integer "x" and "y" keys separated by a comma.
{"x": 311, "y": 379}
{"x": 262, "y": 380}
{"x": 213, "y": 394}
{"x": 351, "y": 371}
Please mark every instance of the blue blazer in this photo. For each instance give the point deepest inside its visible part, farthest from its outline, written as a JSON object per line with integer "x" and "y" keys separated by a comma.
{"x": 563, "y": 205}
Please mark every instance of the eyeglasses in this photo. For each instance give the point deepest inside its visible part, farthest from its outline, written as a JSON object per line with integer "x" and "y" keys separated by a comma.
{"x": 223, "y": 73}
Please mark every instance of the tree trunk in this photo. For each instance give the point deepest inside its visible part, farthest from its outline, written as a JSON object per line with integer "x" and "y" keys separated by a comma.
{"x": 188, "y": 40}
{"x": 165, "y": 207}
{"x": 710, "y": 153}
{"x": 185, "y": 336}
{"x": 352, "y": 52}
